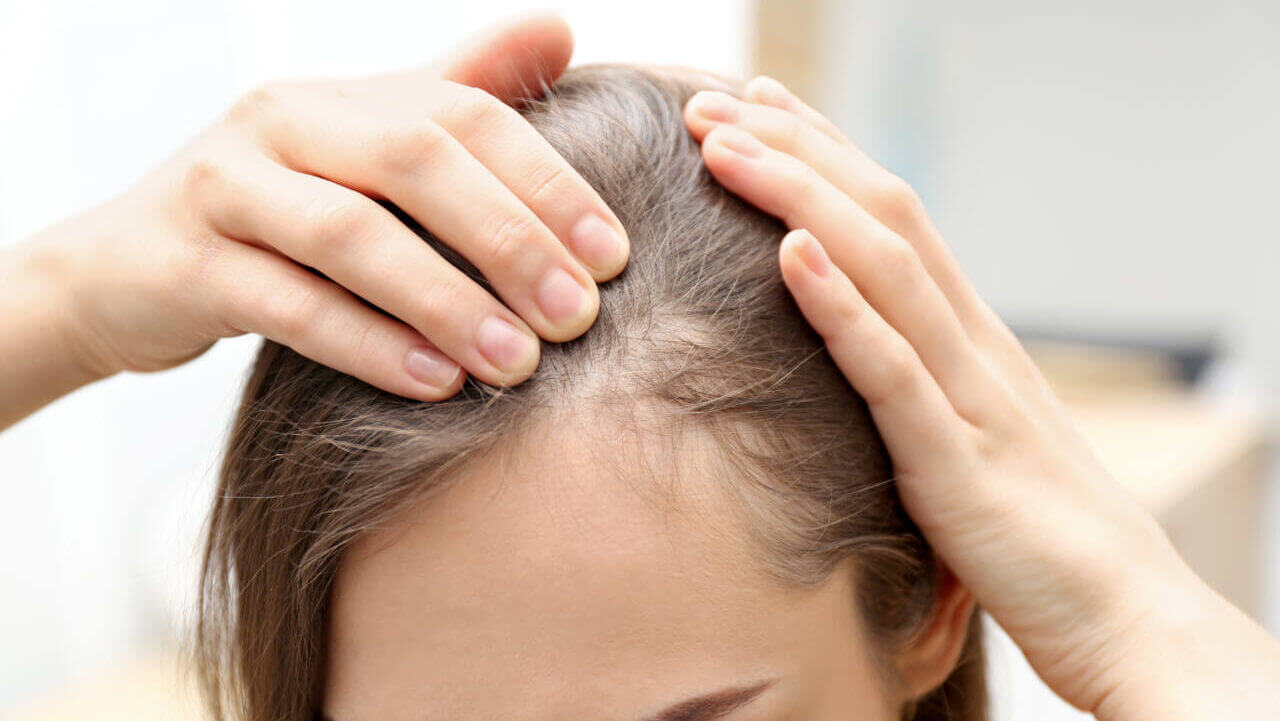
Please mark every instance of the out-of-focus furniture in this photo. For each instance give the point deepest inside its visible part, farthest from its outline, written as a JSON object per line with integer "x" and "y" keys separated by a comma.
{"x": 1198, "y": 466}
{"x": 1200, "y": 470}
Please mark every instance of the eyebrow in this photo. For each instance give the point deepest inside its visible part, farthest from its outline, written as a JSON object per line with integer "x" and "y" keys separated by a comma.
{"x": 717, "y": 704}
{"x": 707, "y": 707}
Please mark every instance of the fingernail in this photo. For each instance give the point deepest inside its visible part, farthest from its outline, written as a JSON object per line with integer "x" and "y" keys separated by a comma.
{"x": 560, "y": 297}
{"x": 595, "y": 242}
{"x": 813, "y": 254}
{"x": 430, "y": 366}
{"x": 715, "y": 106}
{"x": 502, "y": 344}
{"x": 739, "y": 141}
{"x": 771, "y": 92}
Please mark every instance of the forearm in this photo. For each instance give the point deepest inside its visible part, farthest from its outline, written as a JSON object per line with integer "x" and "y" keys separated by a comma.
{"x": 1196, "y": 657}
{"x": 38, "y": 360}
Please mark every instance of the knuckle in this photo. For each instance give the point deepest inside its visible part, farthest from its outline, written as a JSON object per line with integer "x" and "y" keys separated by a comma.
{"x": 894, "y": 200}
{"x": 197, "y": 269}
{"x": 851, "y": 313}
{"x": 437, "y": 303}
{"x": 802, "y": 188}
{"x": 897, "y": 373}
{"x": 988, "y": 447}
{"x": 788, "y": 132}
{"x": 472, "y": 110}
{"x": 258, "y": 103}
{"x": 340, "y": 225}
{"x": 367, "y": 342}
{"x": 295, "y": 312}
{"x": 203, "y": 174}
{"x": 409, "y": 151}
{"x": 549, "y": 181}
{"x": 755, "y": 88}
{"x": 898, "y": 261}
{"x": 511, "y": 239}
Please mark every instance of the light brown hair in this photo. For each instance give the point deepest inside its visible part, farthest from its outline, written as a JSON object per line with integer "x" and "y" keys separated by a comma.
{"x": 699, "y": 329}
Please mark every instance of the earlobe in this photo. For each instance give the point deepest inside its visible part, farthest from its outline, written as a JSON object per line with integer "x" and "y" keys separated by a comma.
{"x": 929, "y": 658}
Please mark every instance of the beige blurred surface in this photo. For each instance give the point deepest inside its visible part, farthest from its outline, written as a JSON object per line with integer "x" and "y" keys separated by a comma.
{"x": 154, "y": 687}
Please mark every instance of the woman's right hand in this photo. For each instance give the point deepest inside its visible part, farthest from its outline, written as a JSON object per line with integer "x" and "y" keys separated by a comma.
{"x": 217, "y": 241}
{"x": 988, "y": 462}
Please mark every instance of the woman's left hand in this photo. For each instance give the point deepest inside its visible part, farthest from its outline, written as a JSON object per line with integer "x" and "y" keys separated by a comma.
{"x": 987, "y": 461}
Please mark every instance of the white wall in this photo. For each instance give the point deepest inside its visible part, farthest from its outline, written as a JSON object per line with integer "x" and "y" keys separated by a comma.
{"x": 102, "y": 494}
{"x": 1099, "y": 164}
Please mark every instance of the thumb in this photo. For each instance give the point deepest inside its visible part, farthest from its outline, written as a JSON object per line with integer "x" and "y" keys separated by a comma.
{"x": 513, "y": 61}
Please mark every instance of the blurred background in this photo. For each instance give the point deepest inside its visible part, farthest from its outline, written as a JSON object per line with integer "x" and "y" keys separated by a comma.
{"x": 1105, "y": 170}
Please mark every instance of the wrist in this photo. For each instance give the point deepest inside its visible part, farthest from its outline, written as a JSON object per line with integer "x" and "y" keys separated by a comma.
{"x": 56, "y": 284}
{"x": 42, "y": 354}
{"x": 74, "y": 267}
{"x": 1191, "y": 655}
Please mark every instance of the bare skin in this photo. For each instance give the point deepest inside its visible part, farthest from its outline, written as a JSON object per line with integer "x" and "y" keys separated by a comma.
{"x": 989, "y": 464}
{"x": 216, "y": 241}
{"x": 213, "y": 244}
{"x": 547, "y": 584}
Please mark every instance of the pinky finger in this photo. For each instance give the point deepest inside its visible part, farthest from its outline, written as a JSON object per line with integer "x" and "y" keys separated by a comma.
{"x": 910, "y": 410}
{"x": 265, "y": 293}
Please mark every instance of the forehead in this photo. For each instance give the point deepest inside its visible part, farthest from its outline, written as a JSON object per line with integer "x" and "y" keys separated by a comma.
{"x": 547, "y": 582}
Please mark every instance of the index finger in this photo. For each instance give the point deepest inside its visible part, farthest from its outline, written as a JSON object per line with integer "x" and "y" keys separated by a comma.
{"x": 526, "y": 163}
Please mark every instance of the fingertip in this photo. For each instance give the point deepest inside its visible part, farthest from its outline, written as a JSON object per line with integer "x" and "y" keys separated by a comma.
{"x": 810, "y": 251}
{"x": 736, "y": 170}
{"x": 517, "y": 60}
{"x": 435, "y": 376}
{"x": 751, "y": 90}
{"x": 510, "y": 349}
{"x": 519, "y": 375}
{"x": 600, "y": 242}
{"x": 765, "y": 90}
{"x": 606, "y": 274}
{"x": 575, "y": 315}
{"x": 549, "y": 32}
{"x": 435, "y": 394}
{"x": 789, "y": 259}
{"x": 787, "y": 248}
{"x": 697, "y": 125}
{"x": 708, "y": 108}
{"x": 726, "y": 143}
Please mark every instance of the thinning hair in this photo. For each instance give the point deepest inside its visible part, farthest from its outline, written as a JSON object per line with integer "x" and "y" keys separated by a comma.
{"x": 698, "y": 331}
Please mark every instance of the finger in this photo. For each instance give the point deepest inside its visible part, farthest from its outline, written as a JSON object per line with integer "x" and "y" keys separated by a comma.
{"x": 514, "y": 61}
{"x": 264, "y": 293}
{"x": 788, "y": 128}
{"x": 522, "y": 159}
{"x": 502, "y": 141}
{"x": 881, "y": 263}
{"x": 766, "y": 91}
{"x": 782, "y": 121}
{"x": 363, "y": 247}
{"x": 910, "y": 410}
{"x": 427, "y": 173}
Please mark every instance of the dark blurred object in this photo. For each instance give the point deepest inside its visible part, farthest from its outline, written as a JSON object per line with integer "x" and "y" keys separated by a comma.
{"x": 1074, "y": 358}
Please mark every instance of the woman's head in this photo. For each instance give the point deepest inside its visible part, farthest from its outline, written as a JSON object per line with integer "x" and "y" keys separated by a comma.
{"x": 687, "y": 502}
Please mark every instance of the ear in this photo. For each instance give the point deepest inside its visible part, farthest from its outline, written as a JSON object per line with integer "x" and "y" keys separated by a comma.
{"x": 929, "y": 658}
{"x": 514, "y": 61}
